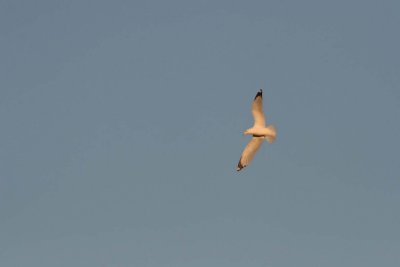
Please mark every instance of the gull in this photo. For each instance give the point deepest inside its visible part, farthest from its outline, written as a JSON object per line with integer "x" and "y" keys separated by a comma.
{"x": 259, "y": 131}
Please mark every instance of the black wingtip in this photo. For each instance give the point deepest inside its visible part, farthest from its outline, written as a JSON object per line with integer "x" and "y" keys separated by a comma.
{"x": 240, "y": 166}
{"x": 238, "y": 169}
{"x": 259, "y": 94}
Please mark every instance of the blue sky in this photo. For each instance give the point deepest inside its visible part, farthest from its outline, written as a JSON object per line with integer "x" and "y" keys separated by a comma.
{"x": 122, "y": 126}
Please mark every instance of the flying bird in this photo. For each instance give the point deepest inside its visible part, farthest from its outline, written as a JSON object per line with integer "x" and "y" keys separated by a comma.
{"x": 259, "y": 131}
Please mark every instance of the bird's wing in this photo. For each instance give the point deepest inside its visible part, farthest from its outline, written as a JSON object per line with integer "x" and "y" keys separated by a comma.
{"x": 249, "y": 152}
{"x": 257, "y": 110}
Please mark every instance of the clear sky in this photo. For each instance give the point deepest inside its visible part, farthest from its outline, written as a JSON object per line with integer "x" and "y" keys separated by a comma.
{"x": 122, "y": 122}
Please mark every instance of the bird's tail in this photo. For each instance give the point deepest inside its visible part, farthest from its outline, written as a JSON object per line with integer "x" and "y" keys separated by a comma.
{"x": 271, "y": 137}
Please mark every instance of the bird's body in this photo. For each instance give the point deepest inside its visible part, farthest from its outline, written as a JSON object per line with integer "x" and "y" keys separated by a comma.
{"x": 265, "y": 132}
{"x": 260, "y": 132}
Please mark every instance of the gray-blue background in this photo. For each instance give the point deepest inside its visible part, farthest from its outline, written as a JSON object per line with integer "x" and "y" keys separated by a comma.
{"x": 121, "y": 126}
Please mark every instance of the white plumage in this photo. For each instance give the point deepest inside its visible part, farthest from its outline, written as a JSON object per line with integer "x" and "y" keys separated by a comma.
{"x": 259, "y": 131}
